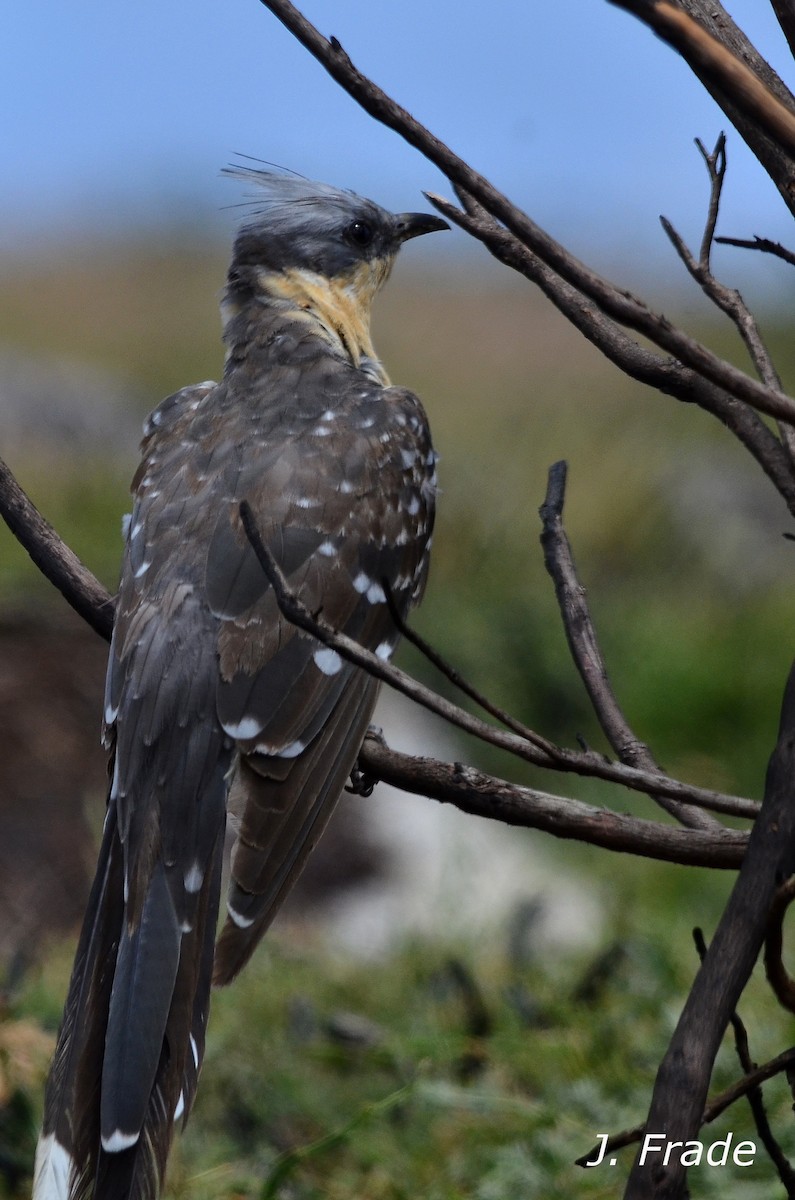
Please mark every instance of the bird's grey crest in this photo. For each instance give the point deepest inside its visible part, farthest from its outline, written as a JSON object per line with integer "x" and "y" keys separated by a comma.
{"x": 301, "y": 222}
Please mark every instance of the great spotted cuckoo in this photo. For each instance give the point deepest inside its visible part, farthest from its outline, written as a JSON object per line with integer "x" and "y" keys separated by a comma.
{"x": 215, "y": 704}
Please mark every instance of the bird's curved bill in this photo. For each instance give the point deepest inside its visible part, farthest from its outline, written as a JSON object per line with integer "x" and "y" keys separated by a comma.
{"x": 411, "y": 225}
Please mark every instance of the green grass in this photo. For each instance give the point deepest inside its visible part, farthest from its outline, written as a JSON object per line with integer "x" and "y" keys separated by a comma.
{"x": 438, "y": 1102}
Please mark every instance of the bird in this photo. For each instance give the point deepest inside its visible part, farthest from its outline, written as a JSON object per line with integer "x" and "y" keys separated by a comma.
{"x": 218, "y": 712}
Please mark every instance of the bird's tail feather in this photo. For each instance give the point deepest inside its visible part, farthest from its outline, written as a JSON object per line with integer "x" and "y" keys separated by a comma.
{"x": 131, "y": 1041}
{"x": 281, "y": 819}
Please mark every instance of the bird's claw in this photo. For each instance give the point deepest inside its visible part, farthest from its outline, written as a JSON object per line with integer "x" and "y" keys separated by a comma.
{"x": 361, "y": 783}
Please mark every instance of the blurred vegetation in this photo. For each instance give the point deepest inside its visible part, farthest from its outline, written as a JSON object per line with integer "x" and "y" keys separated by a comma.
{"x": 678, "y": 539}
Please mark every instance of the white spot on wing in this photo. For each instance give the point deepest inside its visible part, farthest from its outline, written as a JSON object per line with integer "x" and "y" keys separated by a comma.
{"x": 110, "y": 714}
{"x": 118, "y": 1141}
{"x": 293, "y": 750}
{"x": 239, "y": 920}
{"x": 114, "y": 787}
{"x": 327, "y": 549}
{"x": 194, "y": 1049}
{"x": 327, "y": 660}
{"x": 144, "y": 567}
{"x": 376, "y": 594}
{"x": 362, "y": 582}
{"x": 384, "y": 650}
{"x": 180, "y": 1109}
{"x": 346, "y": 487}
{"x": 249, "y": 727}
{"x": 408, "y": 457}
{"x": 194, "y": 878}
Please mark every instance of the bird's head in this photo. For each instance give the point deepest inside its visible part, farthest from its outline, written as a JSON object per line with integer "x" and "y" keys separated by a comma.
{"x": 325, "y": 251}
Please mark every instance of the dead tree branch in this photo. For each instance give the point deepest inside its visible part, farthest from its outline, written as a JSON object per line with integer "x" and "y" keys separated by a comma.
{"x": 483, "y": 795}
{"x": 585, "y": 651}
{"x": 759, "y": 243}
{"x": 680, "y": 1089}
{"x": 728, "y": 300}
{"x": 55, "y": 560}
{"x": 754, "y": 1095}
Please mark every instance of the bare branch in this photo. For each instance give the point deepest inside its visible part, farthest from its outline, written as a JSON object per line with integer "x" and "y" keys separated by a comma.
{"x": 55, "y": 560}
{"x": 728, "y": 300}
{"x": 760, "y": 243}
{"x": 617, "y": 303}
{"x": 680, "y": 1089}
{"x": 585, "y": 651}
{"x": 715, "y": 163}
{"x": 483, "y": 795}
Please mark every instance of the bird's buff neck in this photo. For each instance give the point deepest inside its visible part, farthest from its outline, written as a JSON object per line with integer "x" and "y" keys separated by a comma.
{"x": 338, "y": 308}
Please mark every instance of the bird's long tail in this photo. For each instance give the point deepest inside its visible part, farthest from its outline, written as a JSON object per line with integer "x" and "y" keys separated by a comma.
{"x": 132, "y": 1036}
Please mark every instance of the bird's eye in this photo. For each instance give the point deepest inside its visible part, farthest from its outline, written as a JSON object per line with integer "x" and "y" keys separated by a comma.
{"x": 361, "y": 233}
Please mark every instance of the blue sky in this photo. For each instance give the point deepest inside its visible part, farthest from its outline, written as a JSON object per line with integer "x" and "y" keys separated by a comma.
{"x": 116, "y": 115}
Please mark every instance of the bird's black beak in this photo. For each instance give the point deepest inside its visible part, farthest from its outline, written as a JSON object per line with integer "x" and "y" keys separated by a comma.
{"x": 411, "y": 225}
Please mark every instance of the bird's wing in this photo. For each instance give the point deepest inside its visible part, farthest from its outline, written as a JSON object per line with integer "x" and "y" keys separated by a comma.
{"x": 347, "y": 515}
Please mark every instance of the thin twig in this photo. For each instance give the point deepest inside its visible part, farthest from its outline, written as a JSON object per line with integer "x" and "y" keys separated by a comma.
{"x": 728, "y": 300}
{"x": 454, "y": 676}
{"x": 759, "y": 243}
{"x": 585, "y": 650}
{"x": 716, "y": 166}
{"x": 580, "y": 763}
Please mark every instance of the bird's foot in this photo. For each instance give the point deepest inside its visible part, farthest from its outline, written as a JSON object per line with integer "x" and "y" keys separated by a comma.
{"x": 361, "y": 783}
